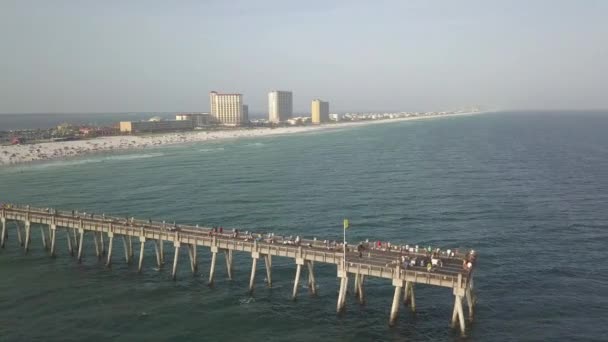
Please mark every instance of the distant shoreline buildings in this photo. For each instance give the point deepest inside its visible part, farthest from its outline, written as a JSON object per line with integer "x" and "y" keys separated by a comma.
{"x": 319, "y": 112}
{"x": 227, "y": 109}
{"x": 280, "y": 106}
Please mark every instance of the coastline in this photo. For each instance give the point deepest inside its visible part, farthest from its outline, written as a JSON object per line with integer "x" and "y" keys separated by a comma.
{"x": 29, "y": 153}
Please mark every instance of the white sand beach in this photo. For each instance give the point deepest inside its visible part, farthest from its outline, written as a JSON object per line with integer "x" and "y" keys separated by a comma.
{"x": 18, "y": 154}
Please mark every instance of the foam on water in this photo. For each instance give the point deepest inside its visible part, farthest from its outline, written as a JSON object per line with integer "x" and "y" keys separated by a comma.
{"x": 77, "y": 161}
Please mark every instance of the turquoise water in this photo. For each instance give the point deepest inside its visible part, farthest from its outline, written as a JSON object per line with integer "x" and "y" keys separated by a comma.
{"x": 524, "y": 189}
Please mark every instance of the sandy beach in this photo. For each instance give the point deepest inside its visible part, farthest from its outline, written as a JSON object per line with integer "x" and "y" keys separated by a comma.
{"x": 18, "y": 154}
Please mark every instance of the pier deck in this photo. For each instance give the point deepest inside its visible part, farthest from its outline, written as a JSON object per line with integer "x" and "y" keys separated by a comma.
{"x": 371, "y": 262}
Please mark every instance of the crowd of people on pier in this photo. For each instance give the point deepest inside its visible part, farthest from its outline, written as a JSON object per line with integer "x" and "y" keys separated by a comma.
{"x": 406, "y": 256}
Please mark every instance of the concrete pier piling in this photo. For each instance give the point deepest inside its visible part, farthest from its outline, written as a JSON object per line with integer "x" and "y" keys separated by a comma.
{"x": 19, "y": 237}
{"x": 312, "y": 283}
{"x": 157, "y": 252}
{"x": 382, "y": 263}
{"x": 28, "y": 237}
{"x": 43, "y": 235}
{"x": 80, "y": 243}
{"x": 53, "y": 237}
{"x": 175, "y": 257}
{"x": 142, "y": 245}
{"x": 162, "y": 251}
{"x": 296, "y": 282}
{"x": 131, "y": 254}
{"x": 229, "y": 262}
{"x": 254, "y": 262}
{"x": 342, "y": 293}
{"x": 193, "y": 260}
{"x": 102, "y": 244}
{"x": 75, "y": 237}
{"x": 70, "y": 247}
{"x": 268, "y": 264}
{"x": 96, "y": 242}
{"x": 3, "y": 235}
{"x": 458, "y": 315}
{"x": 110, "y": 243}
{"x": 212, "y": 267}
{"x": 398, "y": 284}
{"x": 360, "y": 289}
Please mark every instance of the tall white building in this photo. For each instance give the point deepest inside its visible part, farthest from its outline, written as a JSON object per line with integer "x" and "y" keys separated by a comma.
{"x": 280, "y": 106}
{"x": 226, "y": 109}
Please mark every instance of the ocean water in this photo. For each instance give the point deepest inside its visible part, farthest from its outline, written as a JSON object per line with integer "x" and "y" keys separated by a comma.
{"x": 528, "y": 191}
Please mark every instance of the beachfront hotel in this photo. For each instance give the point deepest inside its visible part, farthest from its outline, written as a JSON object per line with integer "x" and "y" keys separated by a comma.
{"x": 280, "y": 106}
{"x": 226, "y": 109}
{"x": 319, "y": 111}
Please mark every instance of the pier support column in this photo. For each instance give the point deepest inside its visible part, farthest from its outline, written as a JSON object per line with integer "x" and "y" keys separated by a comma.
{"x": 142, "y": 245}
{"x": 342, "y": 292}
{"x": 396, "y": 299}
{"x": 110, "y": 241}
{"x": 75, "y": 237}
{"x": 268, "y": 264}
{"x": 212, "y": 269}
{"x": 192, "y": 254}
{"x": 409, "y": 296}
{"x": 356, "y": 285}
{"x": 28, "y": 237}
{"x": 127, "y": 249}
{"x": 296, "y": 282}
{"x": 80, "y": 243}
{"x": 3, "y": 236}
{"x": 44, "y": 245}
{"x": 96, "y": 242}
{"x": 468, "y": 295}
{"x": 229, "y": 262}
{"x": 102, "y": 244}
{"x": 157, "y": 251}
{"x": 312, "y": 283}
{"x": 458, "y": 314}
{"x": 19, "y": 233}
{"x": 131, "y": 248}
{"x": 161, "y": 242}
{"x": 69, "y": 238}
{"x": 176, "y": 244}
{"x": 254, "y": 257}
{"x": 360, "y": 289}
{"x": 471, "y": 300}
{"x": 53, "y": 235}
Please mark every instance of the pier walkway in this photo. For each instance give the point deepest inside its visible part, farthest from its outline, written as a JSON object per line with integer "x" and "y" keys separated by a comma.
{"x": 359, "y": 262}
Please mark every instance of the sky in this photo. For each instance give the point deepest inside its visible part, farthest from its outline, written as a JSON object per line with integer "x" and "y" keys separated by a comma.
{"x": 164, "y": 56}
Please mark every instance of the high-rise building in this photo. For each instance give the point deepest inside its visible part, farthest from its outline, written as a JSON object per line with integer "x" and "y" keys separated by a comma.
{"x": 245, "y": 114}
{"x": 280, "y": 106}
{"x": 319, "y": 111}
{"x": 226, "y": 109}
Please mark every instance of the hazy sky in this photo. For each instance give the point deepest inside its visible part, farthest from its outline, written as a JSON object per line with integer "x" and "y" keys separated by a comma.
{"x": 118, "y": 56}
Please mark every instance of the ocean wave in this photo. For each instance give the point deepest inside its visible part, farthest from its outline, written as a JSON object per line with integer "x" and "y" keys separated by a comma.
{"x": 100, "y": 159}
{"x": 211, "y": 150}
{"x": 256, "y": 144}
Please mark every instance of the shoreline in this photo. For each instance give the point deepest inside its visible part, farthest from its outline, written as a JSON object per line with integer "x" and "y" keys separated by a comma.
{"x": 12, "y": 155}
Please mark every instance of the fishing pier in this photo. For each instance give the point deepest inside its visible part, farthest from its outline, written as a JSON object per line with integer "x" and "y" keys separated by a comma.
{"x": 351, "y": 263}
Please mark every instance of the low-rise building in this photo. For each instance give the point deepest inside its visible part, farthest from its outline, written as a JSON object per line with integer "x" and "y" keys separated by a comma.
{"x": 198, "y": 119}
{"x": 155, "y": 126}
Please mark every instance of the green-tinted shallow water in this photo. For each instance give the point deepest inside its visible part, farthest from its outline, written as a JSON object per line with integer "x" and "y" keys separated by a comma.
{"x": 521, "y": 188}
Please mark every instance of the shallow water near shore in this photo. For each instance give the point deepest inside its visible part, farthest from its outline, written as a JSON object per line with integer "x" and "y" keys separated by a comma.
{"x": 523, "y": 189}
